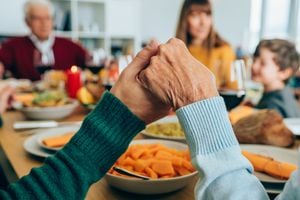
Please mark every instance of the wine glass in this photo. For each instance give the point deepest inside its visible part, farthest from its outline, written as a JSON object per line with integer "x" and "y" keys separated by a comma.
{"x": 96, "y": 62}
{"x": 234, "y": 96}
{"x": 43, "y": 61}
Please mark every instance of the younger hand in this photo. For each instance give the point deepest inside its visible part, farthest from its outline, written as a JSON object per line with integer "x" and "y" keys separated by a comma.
{"x": 5, "y": 95}
{"x": 137, "y": 98}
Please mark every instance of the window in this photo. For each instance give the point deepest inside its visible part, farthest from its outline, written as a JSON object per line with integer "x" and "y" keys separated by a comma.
{"x": 275, "y": 19}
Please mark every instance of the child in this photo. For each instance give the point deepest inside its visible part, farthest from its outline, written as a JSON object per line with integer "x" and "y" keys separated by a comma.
{"x": 275, "y": 62}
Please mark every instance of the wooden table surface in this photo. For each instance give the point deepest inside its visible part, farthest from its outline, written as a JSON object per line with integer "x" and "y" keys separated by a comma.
{"x": 22, "y": 162}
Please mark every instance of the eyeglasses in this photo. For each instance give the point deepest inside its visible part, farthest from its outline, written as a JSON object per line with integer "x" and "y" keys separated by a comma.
{"x": 40, "y": 18}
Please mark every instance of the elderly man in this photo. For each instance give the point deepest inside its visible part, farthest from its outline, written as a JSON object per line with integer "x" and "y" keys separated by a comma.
{"x": 22, "y": 56}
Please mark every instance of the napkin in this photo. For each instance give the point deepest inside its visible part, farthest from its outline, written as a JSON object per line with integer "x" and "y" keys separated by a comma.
{"x": 270, "y": 166}
{"x": 58, "y": 141}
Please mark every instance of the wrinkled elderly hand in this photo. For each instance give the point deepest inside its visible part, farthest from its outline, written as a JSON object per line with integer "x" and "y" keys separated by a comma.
{"x": 176, "y": 77}
{"x": 137, "y": 98}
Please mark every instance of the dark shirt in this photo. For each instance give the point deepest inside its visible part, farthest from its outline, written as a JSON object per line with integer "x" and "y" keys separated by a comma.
{"x": 17, "y": 56}
{"x": 282, "y": 101}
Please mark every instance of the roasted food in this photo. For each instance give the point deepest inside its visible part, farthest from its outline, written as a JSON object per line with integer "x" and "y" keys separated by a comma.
{"x": 239, "y": 112}
{"x": 268, "y": 165}
{"x": 155, "y": 161}
{"x": 263, "y": 127}
{"x": 171, "y": 129}
{"x": 90, "y": 93}
{"x": 95, "y": 89}
{"x": 58, "y": 141}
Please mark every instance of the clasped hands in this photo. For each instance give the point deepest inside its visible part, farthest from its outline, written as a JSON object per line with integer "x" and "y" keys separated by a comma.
{"x": 163, "y": 77}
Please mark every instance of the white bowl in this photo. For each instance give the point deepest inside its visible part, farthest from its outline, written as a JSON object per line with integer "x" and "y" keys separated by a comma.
{"x": 49, "y": 113}
{"x": 158, "y": 186}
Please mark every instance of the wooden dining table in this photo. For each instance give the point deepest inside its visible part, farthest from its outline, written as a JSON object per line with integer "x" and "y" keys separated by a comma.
{"x": 17, "y": 163}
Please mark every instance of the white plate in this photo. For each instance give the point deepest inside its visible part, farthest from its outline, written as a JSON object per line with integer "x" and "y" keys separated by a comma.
{"x": 280, "y": 154}
{"x": 293, "y": 124}
{"x": 54, "y": 132}
{"x": 166, "y": 119}
{"x": 32, "y": 146}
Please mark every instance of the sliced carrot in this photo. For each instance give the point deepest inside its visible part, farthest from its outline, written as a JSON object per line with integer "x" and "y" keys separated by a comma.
{"x": 177, "y": 161}
{"x": 188, "y": 165}
{"x": 155, "y": 161}
{"x": 139, "y": 166}
{"x": 128, "y": 161}
{"x": 163, "y": 167}
{"x": 182, "y": 171}
{"x": 163, "y": 155}
{"x": 151, "y": 173}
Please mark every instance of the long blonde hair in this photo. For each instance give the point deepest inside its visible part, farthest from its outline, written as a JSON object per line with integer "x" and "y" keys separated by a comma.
{"x": 213, "y": 40}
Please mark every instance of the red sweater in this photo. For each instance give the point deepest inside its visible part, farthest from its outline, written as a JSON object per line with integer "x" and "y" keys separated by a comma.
{"x": 17, "y": 56}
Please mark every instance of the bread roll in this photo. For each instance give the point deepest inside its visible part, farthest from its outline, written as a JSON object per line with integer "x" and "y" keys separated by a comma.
{"x": 263, "y": 127}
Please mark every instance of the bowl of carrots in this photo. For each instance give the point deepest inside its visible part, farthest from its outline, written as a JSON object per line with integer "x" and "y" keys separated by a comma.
{"x": 166, "y": 164}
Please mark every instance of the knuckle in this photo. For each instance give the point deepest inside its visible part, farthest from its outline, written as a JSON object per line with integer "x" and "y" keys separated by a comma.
{"x": 180, "y": 42}
{"x": 175, "y": 41}
{"x": 154, "y": 61}
{"x": 172, "y": 40}
{"x": 163, "y": 49}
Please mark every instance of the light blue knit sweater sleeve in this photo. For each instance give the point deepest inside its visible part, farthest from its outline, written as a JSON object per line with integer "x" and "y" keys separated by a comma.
{"x": 224, "y": 172}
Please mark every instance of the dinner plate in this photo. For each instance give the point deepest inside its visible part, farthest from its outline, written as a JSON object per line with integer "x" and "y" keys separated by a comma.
{"x": 293, "y": 124}
{"x": 280, "y": 154}
{"x": 32, "y": 146}
{"x": 167, "y": 119}
{"x": 54, "y": 132}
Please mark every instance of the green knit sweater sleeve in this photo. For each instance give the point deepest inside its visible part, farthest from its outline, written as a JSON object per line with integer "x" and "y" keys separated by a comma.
{"x": 104, "y": 135}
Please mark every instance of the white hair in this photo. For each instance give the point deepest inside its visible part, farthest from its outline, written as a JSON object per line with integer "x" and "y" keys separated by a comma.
{"x": 30, "y": 3}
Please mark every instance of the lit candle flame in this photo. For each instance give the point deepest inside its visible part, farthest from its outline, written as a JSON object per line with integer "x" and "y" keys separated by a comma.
{"x": 74, "y": 69}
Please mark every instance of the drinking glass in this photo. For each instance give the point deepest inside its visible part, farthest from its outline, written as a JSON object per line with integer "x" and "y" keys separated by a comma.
{"x": 97, "y": 61}
{"x": 233, "y": 97}
{"x": 43, "y": 62}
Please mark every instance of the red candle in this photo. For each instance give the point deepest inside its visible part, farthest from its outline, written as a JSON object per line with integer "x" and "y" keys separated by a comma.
{"x": 73, "y": 81}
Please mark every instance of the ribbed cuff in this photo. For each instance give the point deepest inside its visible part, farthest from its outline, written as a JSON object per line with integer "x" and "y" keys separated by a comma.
{"x": 207, "y": 126}
{"x": 107, "y": 131}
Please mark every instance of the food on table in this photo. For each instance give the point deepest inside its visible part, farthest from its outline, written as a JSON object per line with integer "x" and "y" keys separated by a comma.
{"x": 155, "y": 161}
{"x": 43, "y": 99}
{"x": 55, "y": 78}
{"x": 171, "y": 129}
{"x": 85, "y": 97}
{"x": 24, "y": 98}
{"x": 270, "y": 166}
{"x": 95, "y": 89}
{"x": 90, "y": 93}
{"x": 263, "y": 127}
{"x": 58, "y": 141}
{"x": 239, "y": 112}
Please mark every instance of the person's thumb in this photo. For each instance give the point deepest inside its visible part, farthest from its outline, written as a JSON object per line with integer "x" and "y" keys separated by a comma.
{"x": 142, "y": 59}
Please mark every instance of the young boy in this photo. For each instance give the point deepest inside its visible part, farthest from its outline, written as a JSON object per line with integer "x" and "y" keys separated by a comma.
{"x": 275, "y": 61}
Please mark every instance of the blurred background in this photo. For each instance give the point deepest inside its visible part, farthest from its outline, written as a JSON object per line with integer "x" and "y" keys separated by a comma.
{"x": 123, "y": 26}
